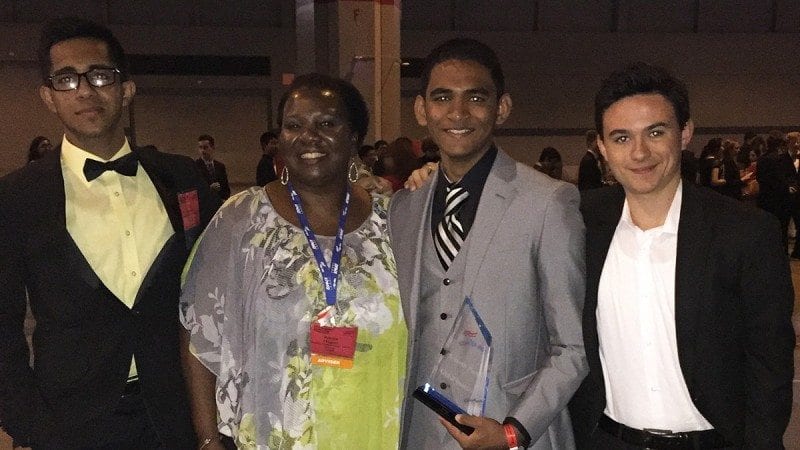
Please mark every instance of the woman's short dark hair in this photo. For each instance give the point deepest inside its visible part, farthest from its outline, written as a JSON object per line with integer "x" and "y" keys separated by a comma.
{"x": 352, "y": 100}
{"x": 64, "y": 29}
{"x": 641, "y": 78}
{"x": 464, "y": 49}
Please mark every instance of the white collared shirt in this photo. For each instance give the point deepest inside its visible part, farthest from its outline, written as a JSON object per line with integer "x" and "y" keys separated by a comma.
{"x": 636, "y": 328}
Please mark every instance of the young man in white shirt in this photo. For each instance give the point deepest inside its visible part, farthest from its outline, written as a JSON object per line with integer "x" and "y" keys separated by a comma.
{"x": 689, "y": 294}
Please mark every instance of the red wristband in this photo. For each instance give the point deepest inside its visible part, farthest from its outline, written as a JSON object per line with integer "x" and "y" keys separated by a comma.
{"x": 511, "y": 435}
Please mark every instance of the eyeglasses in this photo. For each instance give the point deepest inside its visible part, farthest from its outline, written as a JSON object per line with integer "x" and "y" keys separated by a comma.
{"x": 69, "y": 81}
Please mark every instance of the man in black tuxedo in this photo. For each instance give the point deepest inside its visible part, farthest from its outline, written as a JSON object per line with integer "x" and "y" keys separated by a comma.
{"x": 687, "y": 319}
{"x": 590, "y": 176}
{"x": 97, "y": 234}
{"x": 213, "y": 171}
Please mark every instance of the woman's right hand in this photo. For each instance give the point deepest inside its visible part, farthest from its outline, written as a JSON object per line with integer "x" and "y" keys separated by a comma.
{"x": 418, "y": 177}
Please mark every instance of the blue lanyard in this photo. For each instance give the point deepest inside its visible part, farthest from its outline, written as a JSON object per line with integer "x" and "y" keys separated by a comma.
{"x": 329, "y": 272}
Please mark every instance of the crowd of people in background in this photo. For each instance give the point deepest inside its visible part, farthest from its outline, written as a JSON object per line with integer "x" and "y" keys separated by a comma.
{"x": 762, "y": 171}
{"x": 724, "y": 165}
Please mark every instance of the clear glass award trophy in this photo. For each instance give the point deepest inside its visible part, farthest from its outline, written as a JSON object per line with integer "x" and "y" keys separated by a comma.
{"x": 460, "y": 379}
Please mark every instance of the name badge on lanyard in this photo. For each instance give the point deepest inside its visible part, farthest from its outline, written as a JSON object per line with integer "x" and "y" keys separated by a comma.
{"x": 331, "y": 345}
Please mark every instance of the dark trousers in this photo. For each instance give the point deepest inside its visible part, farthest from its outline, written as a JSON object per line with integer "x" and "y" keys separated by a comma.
{"x": 128, "y": 428}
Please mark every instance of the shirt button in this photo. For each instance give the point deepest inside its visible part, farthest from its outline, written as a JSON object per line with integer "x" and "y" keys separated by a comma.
{"x": 116, "y": 194}
{"x": 133, "y": 273}
{"x": 443, "y": 316}
{"x": 446, "y": 281}
{"x": 127, "y": 232}
{"x": 443, "y": 385}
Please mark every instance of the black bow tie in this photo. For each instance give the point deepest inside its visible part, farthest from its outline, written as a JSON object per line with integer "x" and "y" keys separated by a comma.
{"x": 126, "y": 165}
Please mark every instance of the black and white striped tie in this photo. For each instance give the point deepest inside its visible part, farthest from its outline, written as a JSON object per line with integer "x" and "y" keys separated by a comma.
{"x": 450, "y": 233}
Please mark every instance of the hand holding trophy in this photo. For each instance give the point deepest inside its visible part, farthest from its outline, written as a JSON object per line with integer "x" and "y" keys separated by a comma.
{"x": 460, "y": 379}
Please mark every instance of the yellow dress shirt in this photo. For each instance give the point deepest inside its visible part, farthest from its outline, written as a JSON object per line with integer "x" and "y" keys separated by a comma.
{"x": 118, "y": 222}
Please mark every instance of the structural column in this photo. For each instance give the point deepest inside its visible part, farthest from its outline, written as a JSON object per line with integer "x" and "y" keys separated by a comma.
{"x": 358, "y": 40}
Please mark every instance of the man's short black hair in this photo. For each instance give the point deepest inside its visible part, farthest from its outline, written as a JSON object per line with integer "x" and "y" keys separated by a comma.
{"x": 206, "y": 137}
{"x": 464, "y": 49}
{"x": 354, "y": 105}
{"x": 267, "y": 136}
{"x": 64, "y": 29}
{"x": 641, "y": 78}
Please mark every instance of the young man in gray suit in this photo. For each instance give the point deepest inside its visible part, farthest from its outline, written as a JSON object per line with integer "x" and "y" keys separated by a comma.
{"x": 689, "y": 295}
{"x": 518, "y": 256}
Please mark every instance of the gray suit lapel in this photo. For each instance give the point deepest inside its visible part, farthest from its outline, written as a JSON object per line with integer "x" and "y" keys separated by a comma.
{"x": 418, "y": 217}
{"x": 495, "y": 200}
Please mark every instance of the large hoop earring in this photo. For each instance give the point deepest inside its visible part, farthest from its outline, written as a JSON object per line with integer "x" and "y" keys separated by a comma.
{"x": 285, "y": 176}
{"x": 352, "y": 172}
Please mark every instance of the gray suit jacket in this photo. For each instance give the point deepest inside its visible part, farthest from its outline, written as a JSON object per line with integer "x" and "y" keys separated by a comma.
{"x": 525, "y": 273}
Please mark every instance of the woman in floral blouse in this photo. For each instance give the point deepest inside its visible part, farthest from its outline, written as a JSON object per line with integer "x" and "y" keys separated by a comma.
{"x": 286, "y": 348}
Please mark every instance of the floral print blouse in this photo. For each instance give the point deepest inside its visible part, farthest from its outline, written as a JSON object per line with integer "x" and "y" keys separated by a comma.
{"x": 252, "y": 288}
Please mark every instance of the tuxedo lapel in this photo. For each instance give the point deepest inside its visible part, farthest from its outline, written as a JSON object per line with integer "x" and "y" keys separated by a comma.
{"x": 602, "y": 210}
{"x": 54, "y": 223}
{"x": 601, "y": 224}
{"x": 421, "y": 215}
{"x": 164, "y": 182}
{"x": 691, "y": 271}
{"x": 496, "y": 197}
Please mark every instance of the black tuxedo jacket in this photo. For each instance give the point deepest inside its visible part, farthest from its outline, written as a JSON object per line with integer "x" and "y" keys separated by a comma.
{"x": 219, "y": 175}
{"x": 85, "y": 336}
{"x": 733, "y": 307}
{"x": 589, "y": 174}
